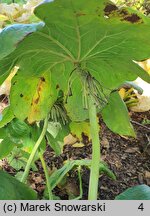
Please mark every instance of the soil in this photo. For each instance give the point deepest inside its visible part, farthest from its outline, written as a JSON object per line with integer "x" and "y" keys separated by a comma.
{"x": 127, "y": 157}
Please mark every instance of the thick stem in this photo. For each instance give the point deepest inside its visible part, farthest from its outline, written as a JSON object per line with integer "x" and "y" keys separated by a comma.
{"x": 34, "y": 150}
{"x": 50, "y": 195}
{"x": 94, "y": 130}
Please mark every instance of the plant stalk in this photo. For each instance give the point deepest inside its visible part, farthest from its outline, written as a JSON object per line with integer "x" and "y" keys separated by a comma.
{"x": 94, "y": 131}
{"x": 34, "y": 150}
{"x": 80, "y": 184}
{"x": 50, "y": 195}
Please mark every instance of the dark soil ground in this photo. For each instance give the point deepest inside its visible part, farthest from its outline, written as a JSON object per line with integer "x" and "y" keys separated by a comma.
{"x": 128, "y": 158}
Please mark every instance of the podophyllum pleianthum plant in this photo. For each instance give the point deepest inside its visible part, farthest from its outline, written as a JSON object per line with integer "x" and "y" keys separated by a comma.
{"x": 83, "y": 50}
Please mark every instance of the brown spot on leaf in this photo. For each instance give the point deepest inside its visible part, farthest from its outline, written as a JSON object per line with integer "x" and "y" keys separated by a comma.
{"x": 36, "y": 100}
{"x": 39, "y": 89}
{"x": 85, "y": 138}
{"x": 133, "y": 18}
{"x": 123, "y": 14}
{"x": 57, "y": 86}
{"x": 21, "y": 95}
{"x": 42, "y": 79}
{"x": 36, "y": 110}
{"x": 110, "y": 8}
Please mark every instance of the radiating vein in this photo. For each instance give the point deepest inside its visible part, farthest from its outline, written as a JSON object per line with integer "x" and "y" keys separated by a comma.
{"x": 79, "y": 40}
{"x": 99, "y": 41}
{"x": 58, "y": 44}
{"x": 77, "y": 28}
{"x": 109, "y": 48}
{"x": 45, "y": 51}
{"x": 94, "y": 46}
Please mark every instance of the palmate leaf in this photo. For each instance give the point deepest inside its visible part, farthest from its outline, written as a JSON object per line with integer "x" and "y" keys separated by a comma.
{"x": 96, "y": 34}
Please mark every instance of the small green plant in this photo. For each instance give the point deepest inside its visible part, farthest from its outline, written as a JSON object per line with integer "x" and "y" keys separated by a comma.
{"x": 70, "y": 66}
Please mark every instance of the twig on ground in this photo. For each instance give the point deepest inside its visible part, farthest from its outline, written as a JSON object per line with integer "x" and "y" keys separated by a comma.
{"x": 134, "y": 122}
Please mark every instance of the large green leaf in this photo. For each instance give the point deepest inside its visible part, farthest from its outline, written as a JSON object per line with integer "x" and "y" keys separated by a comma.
{"x": 12, "y": 189}
{"x": 103, "y": 39}
{"x": 116, "y": 116}
{"x": 140, "y": 192}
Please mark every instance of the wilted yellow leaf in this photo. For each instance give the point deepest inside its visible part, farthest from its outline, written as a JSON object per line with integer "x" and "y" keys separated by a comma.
{"x": 122, "y": 93}
{"x": 78, "y": 145}
{"x": 80, "y": 128}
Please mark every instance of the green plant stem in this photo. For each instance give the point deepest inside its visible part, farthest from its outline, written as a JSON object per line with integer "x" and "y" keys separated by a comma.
{"x": 50, "y": 195}
{"x": 94, "y": 131}
{"x": 34, "y": 150}
{"x": 80, "y": 184}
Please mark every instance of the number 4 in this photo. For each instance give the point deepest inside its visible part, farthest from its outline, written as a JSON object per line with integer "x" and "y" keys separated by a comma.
{"x": 141, "y": 207}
